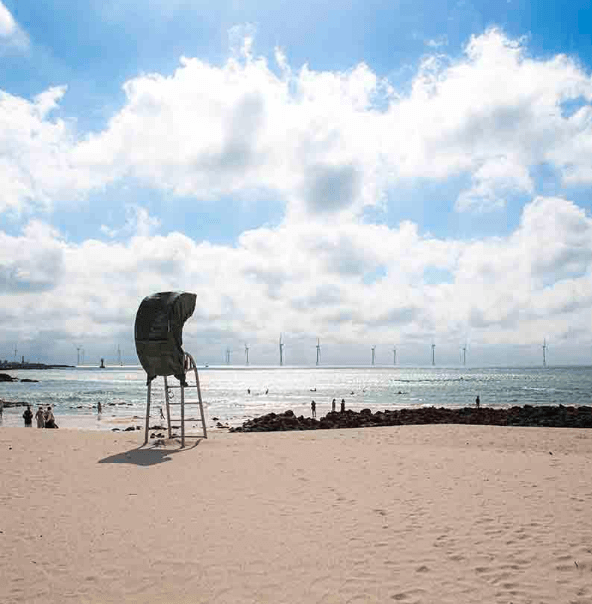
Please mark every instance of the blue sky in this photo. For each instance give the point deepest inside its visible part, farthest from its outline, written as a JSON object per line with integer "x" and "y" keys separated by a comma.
{"x": 373, "y": 173}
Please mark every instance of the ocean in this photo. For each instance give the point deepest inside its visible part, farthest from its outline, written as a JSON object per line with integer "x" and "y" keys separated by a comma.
{"x": 75, "y": 392}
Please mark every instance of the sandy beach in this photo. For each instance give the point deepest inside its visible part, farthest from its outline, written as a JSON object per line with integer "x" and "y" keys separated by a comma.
{"x": 441, "y": 513}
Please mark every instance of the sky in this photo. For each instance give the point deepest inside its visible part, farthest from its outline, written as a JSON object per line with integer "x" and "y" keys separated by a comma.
{"x": 378, "y": 173}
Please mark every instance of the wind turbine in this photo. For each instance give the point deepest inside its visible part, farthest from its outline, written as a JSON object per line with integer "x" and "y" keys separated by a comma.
{"x": 394, "y": 355}
{"x": 545, "y": 352}
{"x": 433, "y": 355}
{"x": 373, "y": 354}
{"x": 247, "y": 353}
{"x": 318, "y": 351}
{"x": 78, "y": 348}
{"x": 281, "y": 351}
{"x": 464, "y": 354}
{"x": 119, "y": 355}
{"x": 228, "y": 356}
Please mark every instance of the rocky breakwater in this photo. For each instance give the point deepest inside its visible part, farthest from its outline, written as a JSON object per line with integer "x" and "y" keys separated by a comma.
{"x": 544, "y": 416}
{"x": 4, "y": 377}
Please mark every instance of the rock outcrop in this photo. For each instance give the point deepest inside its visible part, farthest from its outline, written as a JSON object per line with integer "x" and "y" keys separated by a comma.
{"x": 528, "y": 415}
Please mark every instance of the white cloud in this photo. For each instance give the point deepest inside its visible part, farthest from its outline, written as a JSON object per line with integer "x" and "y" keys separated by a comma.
{"x": 437, "y": 42}
{"x": 328, "y": 144}
{"x": 10, "y": 32}
{"x": 323, "y": 142}
{"x": 493, "y": 182}
{"x": 138, "y": 222}
{"x": 306, "y": 281}
{"x": 35, "y": 166}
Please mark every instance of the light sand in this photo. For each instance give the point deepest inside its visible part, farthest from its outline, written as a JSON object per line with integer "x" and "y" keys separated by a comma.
{"x": 443, "y": 514}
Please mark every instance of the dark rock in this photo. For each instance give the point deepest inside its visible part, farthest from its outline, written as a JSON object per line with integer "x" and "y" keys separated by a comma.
{"x": 130, "y": 429}
{"x": 4, "y": 377}
{"x": 8, "y": 404}
{"x": 549, "y": 416}
{"x": 115, "y": 430}
{"x": 29, "y": 380}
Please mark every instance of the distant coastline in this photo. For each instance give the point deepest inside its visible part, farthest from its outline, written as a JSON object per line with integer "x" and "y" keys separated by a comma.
{"x": 14, "y": 365}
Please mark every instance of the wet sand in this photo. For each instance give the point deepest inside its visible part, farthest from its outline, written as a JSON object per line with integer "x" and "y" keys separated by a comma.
{"x": 435, "y": 513}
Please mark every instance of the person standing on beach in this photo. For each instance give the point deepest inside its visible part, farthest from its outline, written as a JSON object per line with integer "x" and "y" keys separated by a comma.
{"x": 333, "y": 406}
{"x": 49, "y": 418}
{"x": 478, "y": 402}
{"x": 313, "y": 408}
{"x": 99, "y": 408}
{"x": 28, "y": 416}
{"x": 1, "y": 408}
{"x": 40, "y": 417}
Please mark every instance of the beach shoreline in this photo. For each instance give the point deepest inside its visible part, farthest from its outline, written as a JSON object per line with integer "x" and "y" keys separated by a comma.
{"x": 431, "y": 513}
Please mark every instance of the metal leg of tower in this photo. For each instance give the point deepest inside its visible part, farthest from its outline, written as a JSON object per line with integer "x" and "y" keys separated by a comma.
{"x": 147, "y": 413}
{"x": 183, "y": 414}
{"x": 168, "y": 409}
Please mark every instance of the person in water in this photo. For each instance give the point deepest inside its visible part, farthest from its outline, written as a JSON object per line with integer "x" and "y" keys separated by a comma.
{"x": 28, "y": 416}
{"x": 478, "y": 402}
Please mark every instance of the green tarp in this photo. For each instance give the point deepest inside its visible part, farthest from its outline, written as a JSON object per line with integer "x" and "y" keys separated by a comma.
{"x": 158, "y": 331}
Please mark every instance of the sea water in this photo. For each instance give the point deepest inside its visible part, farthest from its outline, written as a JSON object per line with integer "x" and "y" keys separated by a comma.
{"x": 75, "y": 392}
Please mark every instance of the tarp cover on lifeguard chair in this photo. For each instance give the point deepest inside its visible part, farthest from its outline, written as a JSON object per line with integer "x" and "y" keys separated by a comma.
{"x": 158, "y": 331}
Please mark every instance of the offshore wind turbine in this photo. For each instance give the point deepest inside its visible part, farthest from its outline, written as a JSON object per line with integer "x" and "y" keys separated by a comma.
{"x": 373, "y": 354}
{"x": 281, "y": 351}
{"x": 119, "y": 355}
{"x": 464, "y": 354}
{"x": 318, "y": 351}
{"x": 228, "y": 356}
{"x": 394, "y": 355}
{"x": 247, "y": 354}
{"x": 78, "y": 348}
{"x": 433, "y": 355}
{"x": 545, "y": 352}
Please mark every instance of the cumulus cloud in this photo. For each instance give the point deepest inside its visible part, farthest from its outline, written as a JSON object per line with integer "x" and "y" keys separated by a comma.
{"x": 10, "y": 32}
{"x": 328, "y": 145}
{"x": 495, "y": 181}
{"x": 322, "y": 142}
{"x": 501, "y": 290}
{"x": 35, "y": 164}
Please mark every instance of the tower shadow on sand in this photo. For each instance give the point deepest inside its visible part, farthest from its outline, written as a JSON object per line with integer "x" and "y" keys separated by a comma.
{"x": 152, "y": 454}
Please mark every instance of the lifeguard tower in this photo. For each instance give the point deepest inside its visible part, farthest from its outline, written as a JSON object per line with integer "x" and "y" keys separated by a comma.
{"x": 158, "y": 332}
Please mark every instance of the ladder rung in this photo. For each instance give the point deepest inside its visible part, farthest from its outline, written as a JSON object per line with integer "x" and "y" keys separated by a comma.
{"x": 185, "y": 403}
{"x": 187, "y": 419}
